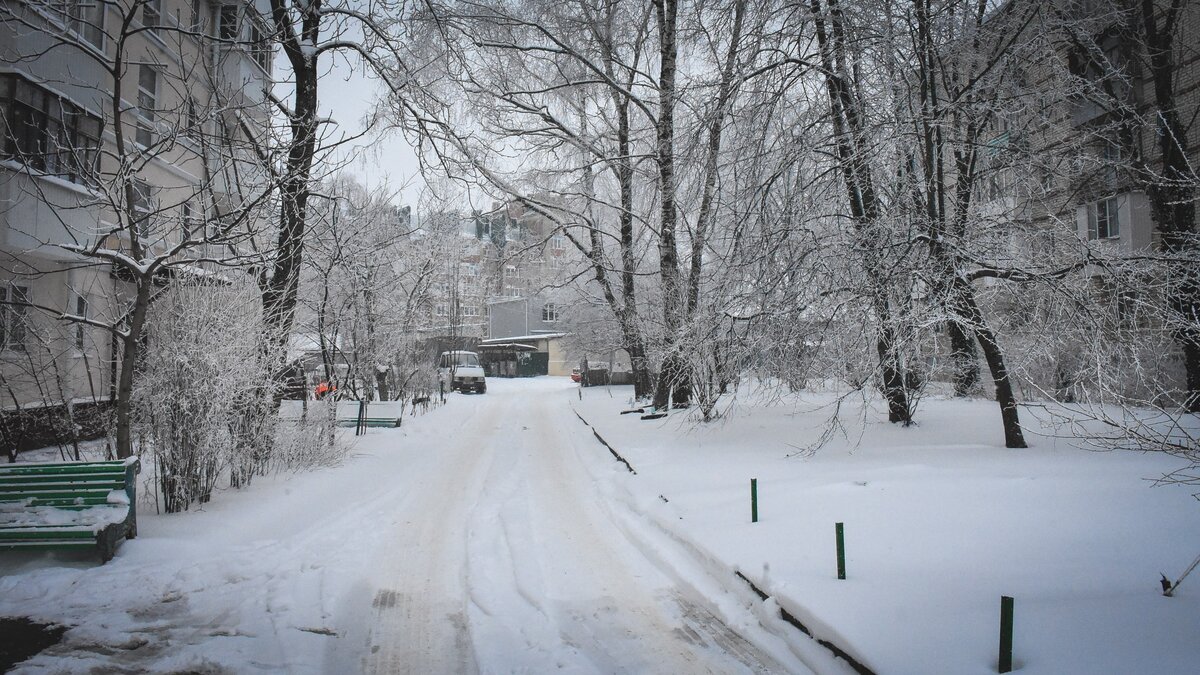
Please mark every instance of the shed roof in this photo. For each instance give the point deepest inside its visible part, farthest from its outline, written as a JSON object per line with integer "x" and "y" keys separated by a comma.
{"x": 521, "y": 338}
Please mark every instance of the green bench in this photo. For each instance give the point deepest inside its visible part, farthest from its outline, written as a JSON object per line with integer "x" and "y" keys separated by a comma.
{"x": 389, "y": 422}
{"x": 68, "y": 505}
{"x": 379, "y": 414}
{"x": 385, "y": 414}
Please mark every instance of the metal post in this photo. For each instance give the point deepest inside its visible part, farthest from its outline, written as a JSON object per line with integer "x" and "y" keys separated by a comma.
{"x": 361, "y": 427}
{"x": 840, "y": 532}
{"x": 1006, "y": 634}
{"x": 1169, "y": 588}
{"x": 754, "y": 500}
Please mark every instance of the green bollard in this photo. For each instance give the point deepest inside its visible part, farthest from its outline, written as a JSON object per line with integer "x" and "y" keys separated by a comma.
{"x": 1006, "y": 633}
{"x": 841, "y": 550}
{"x": 754, "y": 500}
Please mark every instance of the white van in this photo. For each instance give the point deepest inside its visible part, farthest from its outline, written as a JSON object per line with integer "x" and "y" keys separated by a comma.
{"x": 461, "y": 370}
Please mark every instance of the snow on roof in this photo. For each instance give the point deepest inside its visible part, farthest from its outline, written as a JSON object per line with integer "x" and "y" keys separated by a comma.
{"x": 519, "y": 338}
{"x": 515, "y": 345}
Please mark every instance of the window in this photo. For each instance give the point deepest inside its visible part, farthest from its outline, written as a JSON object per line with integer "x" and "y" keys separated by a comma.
{"x": 470, "y": 310}
{"x": 190, "y": 221}
{"x": 45, "y": 132}
{"x": 997, "y": 184}
{"x": 85, "y": 18}
{"x": 512, "y": 272}
{"x": 1128, "y": 315}
{"x": 214, "y": 228}
{"x": 452, "y": 359}
{"x": 198, "y": 7}
{"x": 1110, "y": 154}
{"x": 472, "y": 269}
{"x": 260, "y": 47}
{"x": 549, "y": 312}
{"x": 558, "y": 242}
{"x": 442, "y": 309}
{"x": 227, "y": 22}
{"x": 218, "y": 232}
{"x": 999, "y": 144}
{"x": 1104, "y": 221}
{"x": 147, "y": 101}
{"x": 143, "y": 207}
{"x": 1046, "y": 179}
{"x": 14, "y": 317}
{"x": 191, "y": 122}
{"x": 152, "y": 14}
{"x": 81, "y": 310}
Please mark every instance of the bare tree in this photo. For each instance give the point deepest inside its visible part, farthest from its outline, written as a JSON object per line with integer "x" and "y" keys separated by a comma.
{"x": 848, "y": 115}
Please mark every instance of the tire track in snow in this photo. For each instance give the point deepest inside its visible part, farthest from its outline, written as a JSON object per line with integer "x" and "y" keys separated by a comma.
{"x": 415, "y": 600}
{"x": 503, "y": 560}
{"x": 556, "y": 586}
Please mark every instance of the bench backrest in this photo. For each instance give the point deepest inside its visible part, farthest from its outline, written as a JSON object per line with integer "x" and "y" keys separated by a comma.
{"x": 346, "y": 410}
{"x": 68, "y": 485}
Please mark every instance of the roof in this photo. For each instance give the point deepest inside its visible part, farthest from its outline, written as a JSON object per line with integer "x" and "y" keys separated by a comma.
{"x": 508, "y": 345}
{"x": 521, "y": 338}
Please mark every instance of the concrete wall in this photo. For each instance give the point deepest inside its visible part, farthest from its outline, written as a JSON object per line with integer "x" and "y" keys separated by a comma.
{"x": 519, "y": 316}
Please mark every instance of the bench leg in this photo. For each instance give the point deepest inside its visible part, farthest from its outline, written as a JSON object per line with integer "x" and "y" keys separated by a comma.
{"x": 108, "y": 539}
{"x": 106, "y": 549}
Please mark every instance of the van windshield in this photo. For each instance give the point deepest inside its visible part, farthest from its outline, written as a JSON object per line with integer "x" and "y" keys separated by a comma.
{"x": 449, "y": 360}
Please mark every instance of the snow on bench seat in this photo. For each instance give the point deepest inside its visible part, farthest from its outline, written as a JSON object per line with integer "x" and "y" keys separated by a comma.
{"x": 68, "y": 505}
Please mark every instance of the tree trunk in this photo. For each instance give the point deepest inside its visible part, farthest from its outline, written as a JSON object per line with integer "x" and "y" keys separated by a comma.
{"x": 967, "y": 307}
{"x": 130, "y": 351}
{"x": 281, "y": 287}
{"x": 672, "y": 377}
{"x": 964, "y": 357}
{"x": 713, "y": 149}
{"x": 1172, "y": 190}
{"x": 381, "y": 383}
{"x": 847, "y": 116}
{"x": 891, "y": 370}
{"x": 643, "y": 383}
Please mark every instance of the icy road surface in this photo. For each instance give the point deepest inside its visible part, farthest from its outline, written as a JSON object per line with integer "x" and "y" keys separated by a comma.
{"x": 503, "y": 559}
{"x": 489, "y": 535}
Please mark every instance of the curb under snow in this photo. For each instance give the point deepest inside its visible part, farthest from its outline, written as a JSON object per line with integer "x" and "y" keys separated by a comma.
{"x": 787, "y": 616}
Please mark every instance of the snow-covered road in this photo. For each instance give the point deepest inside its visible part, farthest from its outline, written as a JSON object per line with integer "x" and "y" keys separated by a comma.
{"x": 503, "y": 559}
{"x": 486, "y": 536}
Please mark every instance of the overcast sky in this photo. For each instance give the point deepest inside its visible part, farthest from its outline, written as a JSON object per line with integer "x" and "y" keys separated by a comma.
{"x": 380, "y": 159}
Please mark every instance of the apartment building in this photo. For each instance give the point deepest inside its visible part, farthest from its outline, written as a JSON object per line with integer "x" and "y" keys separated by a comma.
{"x": 1076, "y": 141}
{"x": 127, "y": 134}
{"x": 1072, "y": 149}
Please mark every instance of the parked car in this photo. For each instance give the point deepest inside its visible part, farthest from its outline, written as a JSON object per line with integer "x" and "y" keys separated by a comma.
{"x": 461, "y": 370}
{"x": 575, "y": 376}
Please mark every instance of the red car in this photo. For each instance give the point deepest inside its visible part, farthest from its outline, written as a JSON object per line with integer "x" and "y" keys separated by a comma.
{"x": 575, "y": 376}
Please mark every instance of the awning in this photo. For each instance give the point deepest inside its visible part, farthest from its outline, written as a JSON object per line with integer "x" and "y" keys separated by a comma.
{"x": 509, "y": 339}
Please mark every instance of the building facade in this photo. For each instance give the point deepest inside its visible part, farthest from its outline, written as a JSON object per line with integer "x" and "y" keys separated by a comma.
{"x": 127, "y": 142}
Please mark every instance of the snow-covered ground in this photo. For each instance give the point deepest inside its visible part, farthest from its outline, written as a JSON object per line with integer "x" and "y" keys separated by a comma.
{"x": 496, "y": 534}
{"x": 474, "y": 538}
{"x": 940, "y": 521}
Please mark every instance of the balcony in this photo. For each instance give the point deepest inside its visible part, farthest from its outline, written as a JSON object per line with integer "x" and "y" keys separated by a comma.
{"x": 43, "y": 212}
